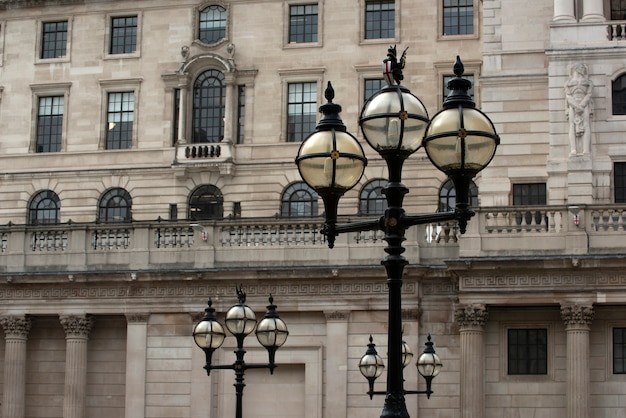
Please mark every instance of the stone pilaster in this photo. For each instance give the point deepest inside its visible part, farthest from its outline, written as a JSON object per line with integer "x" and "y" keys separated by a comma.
{"x": 337, "y": 364}
{"x": 76, "y": 336}
{"x": 471, "y": 320}
{"x": 136, "y": 357}
{"x": 16, "y": 329}
{"x": 577, "y": 320}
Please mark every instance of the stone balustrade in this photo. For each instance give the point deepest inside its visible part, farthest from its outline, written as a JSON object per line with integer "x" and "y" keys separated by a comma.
{"x": 276, "y": 242}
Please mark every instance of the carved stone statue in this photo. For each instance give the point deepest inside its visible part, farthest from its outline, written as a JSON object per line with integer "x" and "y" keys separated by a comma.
{"x": 579, "y": 109}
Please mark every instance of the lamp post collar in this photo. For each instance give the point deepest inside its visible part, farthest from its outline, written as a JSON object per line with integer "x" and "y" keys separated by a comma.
{"x": 330, "y": 110}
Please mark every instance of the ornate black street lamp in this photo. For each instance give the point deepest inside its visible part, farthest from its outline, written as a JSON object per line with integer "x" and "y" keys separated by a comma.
{"x": 460, "y": 140}
{"x": 241, "y": 321}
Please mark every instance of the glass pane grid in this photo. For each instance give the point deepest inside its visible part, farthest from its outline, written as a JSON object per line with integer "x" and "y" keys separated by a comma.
{"x": 299, "y": 200}
{"x": 212, "y": 24}
{"x": 619, "y": 180}
{"x": 120, "y": 118}
{"x": 54, "y": 40}
{"x": 50, "y": 124}
{"x": 379, "y": 19}
{"x": 123, "y": 35}
{"x": 115, "y": 206}
{"x": 529, "y": 194}
{"x": 527, "y": 351}
{"x": 301, "y": 110}
{"x": 44, "y": 209}
{"x": 619, "y": 350}
{"x": 208, "y": 107}
{"x": 458, "y": 17}
{"x": 303, "y": 23}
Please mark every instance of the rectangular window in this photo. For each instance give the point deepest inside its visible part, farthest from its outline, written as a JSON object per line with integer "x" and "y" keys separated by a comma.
{"x": 303, "y": 23}
{"x": 619, "y": 180}
{"x": 380, "y": 19}
{"x": 371, "y": 87}
{"x": 458, "y": 17}
{"x": 447, "y": 78}
{"x": 301, "y": 110}
{"x": 50, "y": 124}
{"x": 527, "y": 351}
{"x": 175, "y": 116}
{"x": 529, "y": 194}
{"x": 619, "y": 350}
{"x": 618, "y": 9}
{"x": 241, "y": 113}
{"x": 120, "y": 116}
{"x": 123, "y": 35}
{"x": 53, "y": 40}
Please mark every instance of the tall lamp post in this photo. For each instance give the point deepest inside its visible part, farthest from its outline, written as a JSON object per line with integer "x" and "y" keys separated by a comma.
{"x": 241, "y": 321}
{"x": 459, "y": 140}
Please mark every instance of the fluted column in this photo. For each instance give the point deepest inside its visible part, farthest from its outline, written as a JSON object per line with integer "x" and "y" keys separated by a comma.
{"x": 16, "y": 329}
{"x": 577, "y": 320}
{"x": 593, "y": 11}
{"x": 471, "y": 320}
{"x": 76, "y": 336}
{"x": 564, "y": 11}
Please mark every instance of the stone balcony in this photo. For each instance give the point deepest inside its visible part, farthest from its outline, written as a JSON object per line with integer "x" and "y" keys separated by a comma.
{"x": 507, "y": 232}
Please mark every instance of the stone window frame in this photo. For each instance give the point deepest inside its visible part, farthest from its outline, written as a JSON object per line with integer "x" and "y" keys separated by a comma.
{"x": 39, "y": 39}
{"x": 46, "y": 90}
{"x": 504, "y": 357}
{"x": 444, "y": 69}
{"x": 475, "y": 35}
{"x": 309, "y": 75}
{"x": 397, "y": 26}
{"x": 196, "y": 24}
{"x": 287, "y": 24}
{"x": 108, "y": 33}
{"x": 118, "y": 86}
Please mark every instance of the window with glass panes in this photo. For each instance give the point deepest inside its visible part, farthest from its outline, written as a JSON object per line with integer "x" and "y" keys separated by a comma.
{"x": 529, "y": 194}
{"x": 619, "y": 182}
{"x": 527, "y": 351}
{"x": 618, "y": 9}
{"x": 53, "y": 40}
{"x": 123, "y": 35}
{"x": 299, "y": 199}
{"x": 303, "y": 23}
{"x": 206, "y": 202}
{"x": 372, "y": 201}
{"x": 380, "y": 19}
{"x": 619, "y": 95}
{"x": 120, "y": 117}
{"x": 371, "y": 87}
{"x": 619, "y": 350}
{"x": 458, "y": 17}
{"x": 301, "y": 110}
{"x": 447, "y": 196}
{"x": 44, "y": 209}
{"x": 50, "y": 124}
{"x": 209, "y": 101}
{"x": 212, "y": 24}
{"x": 115, "y": 206}
{"x": 241, "y": 113}
{"x": 175, "y": 116}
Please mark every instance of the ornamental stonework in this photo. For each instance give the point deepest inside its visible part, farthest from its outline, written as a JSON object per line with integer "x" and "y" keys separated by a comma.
{"x": 16, "y": 326}
{"x": 471, "y": 316}
{"x": 577, "y": 315}
{"x": 76, "y": 326}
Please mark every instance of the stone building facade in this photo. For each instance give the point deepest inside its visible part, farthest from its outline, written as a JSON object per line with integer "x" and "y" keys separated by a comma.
{"x": 147, "y": 164}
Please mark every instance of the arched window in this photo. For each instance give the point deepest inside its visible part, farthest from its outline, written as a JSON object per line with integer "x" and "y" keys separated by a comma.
{"x": 114, "y": 206}
{"x": 299, "y": 200}
{"x": 372, "y": 201}
{"x": 212, "y": 24}
{"x": 206, "y": 202}
{"x": 44, "y": 208}
{"x": 619, "y": 95}
{"x": 209, "y": 97}
{"x": 447, "y": 196}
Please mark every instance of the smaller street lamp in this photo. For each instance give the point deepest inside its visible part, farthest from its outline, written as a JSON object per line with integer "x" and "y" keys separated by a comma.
{"x": 241, "y": 321}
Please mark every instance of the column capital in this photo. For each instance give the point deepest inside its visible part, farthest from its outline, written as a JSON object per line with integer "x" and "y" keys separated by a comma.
{"x": 471, "y": 316}
{"x": 16, "y": 326}
{"x": 76, "y": 326}
{"x": 577, "y": 315}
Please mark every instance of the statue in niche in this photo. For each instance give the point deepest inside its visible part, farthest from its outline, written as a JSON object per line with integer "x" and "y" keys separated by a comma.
{"x": 579, "y": 109}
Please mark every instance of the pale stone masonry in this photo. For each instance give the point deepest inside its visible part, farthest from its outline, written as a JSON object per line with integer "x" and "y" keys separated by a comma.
{"x": 98, "y": 315}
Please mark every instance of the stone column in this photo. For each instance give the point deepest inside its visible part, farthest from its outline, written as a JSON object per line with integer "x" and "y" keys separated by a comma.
{"x": 230, "y": 107}
{"x": 471, "y": 320}
{"x": 564, "y": 11}
{"x": 16, "y": 329}
{"x": 337, "y": 364}
{"x": 76, "y": 336}
{"x": 577, "y": 320}
{"x": 593, "y": 11}
{"x": 136, "y": 355}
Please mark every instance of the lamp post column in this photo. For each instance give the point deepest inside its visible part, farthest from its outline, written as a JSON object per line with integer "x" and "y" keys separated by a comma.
{"x": 76, "y": 335}
{"x": 16, "y": 329}
{"x": 471, "y": 320}
{"x": 577, "y": 320}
